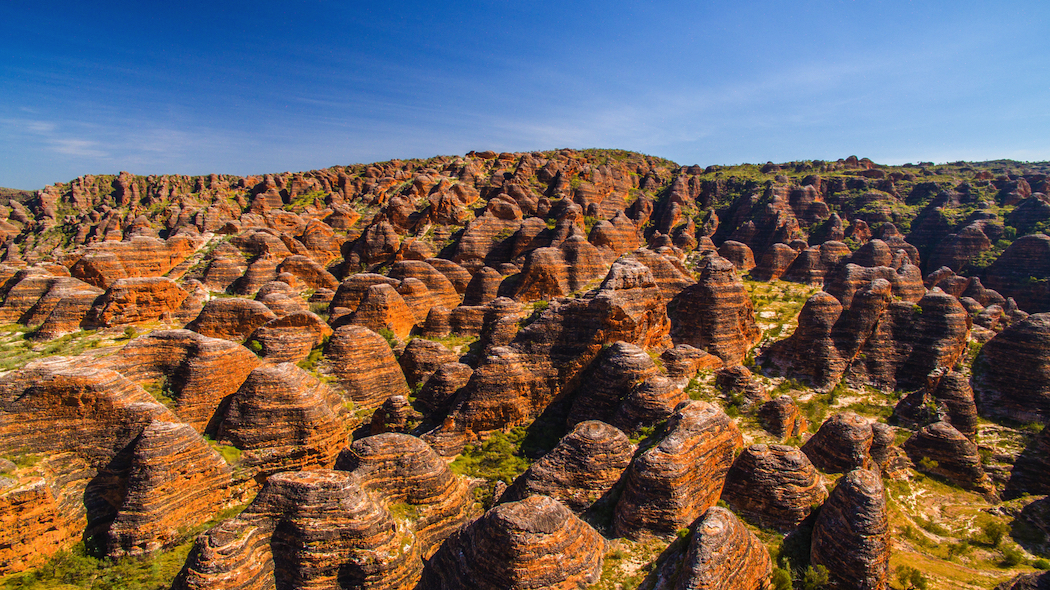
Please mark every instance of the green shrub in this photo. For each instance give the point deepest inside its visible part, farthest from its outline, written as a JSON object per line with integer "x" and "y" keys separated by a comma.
{"x": 230, "y": 454}
{"x": 781, "y": 579}
{"x": 815, "y": 578}
{"x": 928, "y": 464}
{"x": 77, "y": 568}
{"x": 389, "y": 336}
{"x": 1012, "y": 557}
{"x": 498, "y": 458}
{"x": 994, "y": 531}
{"x": 910, "y": 578}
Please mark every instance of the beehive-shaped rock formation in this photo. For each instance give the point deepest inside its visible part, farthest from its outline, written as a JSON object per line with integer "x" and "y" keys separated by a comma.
{"x": 290, "y": 338}
{"x": 614, "y": 373}
{"x": 781, "y": 417}
{"x": 305, "y": 529}
{"x": 851, "y": 534}
{"x": 1015, "y": 382}
{"x": 284, "y": 418}
{"x": 715, "y": 314}
{"x": 80, "y": 417}
{"x": 176, "y": 481}
{"x": 422, "y": 357}
{"x": 364, "y": 365}
{"x": 106, "y": 262}
{"x": 534, "y": 543}
{"x": 442, "y": 290}
{"x": 396, "y": 414}
{"x": 383, "y": 308}
{"x": 949, "y": 454}
{"x": 1031, "y": 471}
{"x": 877, "y": 339}
{"x": 232, "y": 318}
{"x": 648, "y": 403}
{"x": 842, "y": 444}
{"x": 773, "y": 485}
{"x": 198, "y": 372}
{"x": 673, "y": 483}
{"x": 128, "y": 301}
{"x": 584, "y": 466}
{"x": 723, "y": 554}
{"x": 399, "y": 468}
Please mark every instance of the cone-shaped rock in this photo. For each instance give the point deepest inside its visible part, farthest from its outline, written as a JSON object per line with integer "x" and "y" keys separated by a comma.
{"x": 1015, "y": 382}
{"x": 724, "y": 555}
{"x": 364, "y": 365}
{"x": 715, "y": 314}
{"x": 673, "y": 483}
{"x": 534, "y": 543}
{"x": 851, "y": 535}
{"x": 949, "y": 454}
{"x": 774, "y": 485}
{"x": 284, "y": 418}
{"x": 842, "y": 443}
{"x": 176, "y": 481}
{"x": 584, "y": 466}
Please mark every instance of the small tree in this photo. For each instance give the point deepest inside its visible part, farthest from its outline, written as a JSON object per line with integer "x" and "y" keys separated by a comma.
{"x": 782, "y": 579}
{"x": 911, "y": 578}
{"x": 995, "y": 531}
{"x": 815, "y": 578}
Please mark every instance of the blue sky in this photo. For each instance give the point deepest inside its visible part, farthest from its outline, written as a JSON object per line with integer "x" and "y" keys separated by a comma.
{"x": 254, "y": 87}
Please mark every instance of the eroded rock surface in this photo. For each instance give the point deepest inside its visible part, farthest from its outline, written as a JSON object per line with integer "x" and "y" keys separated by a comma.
{"x": 578, "y": 472}
{"x": 851, "y": 534}
{"x": 534, "y": 543}
{"x": 774, "y": 485}
{"x": 674, "y": 482}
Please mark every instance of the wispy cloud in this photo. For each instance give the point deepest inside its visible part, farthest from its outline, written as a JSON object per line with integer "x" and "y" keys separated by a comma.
{"x": 77, "y": 147}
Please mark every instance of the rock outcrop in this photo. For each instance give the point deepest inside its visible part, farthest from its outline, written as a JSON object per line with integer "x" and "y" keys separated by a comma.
{"x": 942, "y": 450}
{"x": 876, "y": 339}
{"x": 1028, "y": 256}
{"x": 32, "y": 524}
{"x": 284, "y": 418}
{"x": 715, "y": 314}
{"x": 176, "y": 481}
{"x": 648, "y": 403}
{"x": 673, "y": 483}
{"x": 81, "y": 418}
{"x": 290, "y": 338}
{"x": 198, "y": 373}
{"x": 533, "y": 543}
{"x": 842, "y": 444}
{"x": 851, "y": 534}
{"x": 305, "y": 529}
{"x": 1013, "y": 376}
{"x": 578, "y": 472}
{"x": 383, "y": 309}
{"x": 724, "y": 554}
{"x": 781, "y": 417}
{"x": 129, "y": 301}
{"x": 105, "y": 263}
{"x": 232, "y": 318}
{"x": 422, "y": 357}
{"x": 548, "y": 357}
{"x": 364, "y": 366}
{"x": 614, "y": 373}
{"x": 399, "y": 468}
{"x": 775, "y": 486}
